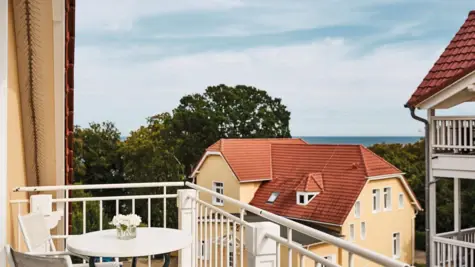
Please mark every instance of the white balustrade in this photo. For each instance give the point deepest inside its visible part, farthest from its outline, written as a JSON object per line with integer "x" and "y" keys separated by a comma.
{"x": 453, "y": 134}
{"x": 219, "y": 238}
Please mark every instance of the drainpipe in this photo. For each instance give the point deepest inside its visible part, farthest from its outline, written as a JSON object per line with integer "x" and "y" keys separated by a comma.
{"x": 427, "y": 182}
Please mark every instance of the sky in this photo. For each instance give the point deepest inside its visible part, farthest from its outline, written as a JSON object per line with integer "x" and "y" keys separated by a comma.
{"x": 342, "y": 67}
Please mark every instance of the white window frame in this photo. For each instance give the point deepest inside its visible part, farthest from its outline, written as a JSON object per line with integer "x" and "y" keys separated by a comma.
{"x": 396, "y": 245}
{"x": 273, "y": 197}
{"x": 220, "y": 190}
{"x": 376, "y": 200}
{"x": 357, "y": 209}
{"x": 352, "y": 232}
{"x": 307, "y": 197}
{"x": 363, "y": 230}
{"x": 387, "y": 198}
{"x": 401, "y": 200}
{"x": 231, "y": 257}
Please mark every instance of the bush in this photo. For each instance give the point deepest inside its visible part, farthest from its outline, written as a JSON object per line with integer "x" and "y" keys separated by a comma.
{"x": 420, "y": 240}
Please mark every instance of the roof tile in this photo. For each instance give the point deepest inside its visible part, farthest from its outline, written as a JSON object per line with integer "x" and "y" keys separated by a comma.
{"x": 461, "y": 62}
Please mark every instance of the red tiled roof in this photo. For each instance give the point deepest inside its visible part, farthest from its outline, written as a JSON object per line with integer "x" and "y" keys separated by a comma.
{"x": 311, "y": 182}
{"x": 456, "y": 61}
{"x": 343, "y": 168}
{"x": 250, "y": 158}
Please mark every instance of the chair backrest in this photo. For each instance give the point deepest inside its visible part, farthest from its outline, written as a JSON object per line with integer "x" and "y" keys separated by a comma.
{"x": 36, "y": 233}
{"x": 18, "y": 259}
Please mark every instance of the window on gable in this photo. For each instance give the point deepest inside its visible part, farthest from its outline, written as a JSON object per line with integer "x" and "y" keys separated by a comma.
{"x": 363, "y": 230}
{"x": 387, "y": 198}
{"x": 203, "y": 250}
{"x": 396, "y": 245}
{"x": 401, "y": 200}
{"x": 376, "y": 204}
{"x": 273, "y": 197}
{"x": 218, "y": 187}
{"x": 352, "y": 232}
{"x": 357, "y": 209}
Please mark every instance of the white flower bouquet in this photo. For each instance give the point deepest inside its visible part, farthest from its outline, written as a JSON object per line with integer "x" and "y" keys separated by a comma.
{"x": 126, "y": 225}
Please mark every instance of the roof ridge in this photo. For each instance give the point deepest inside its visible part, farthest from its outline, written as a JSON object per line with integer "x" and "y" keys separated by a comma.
{"x": 363, "y": 159}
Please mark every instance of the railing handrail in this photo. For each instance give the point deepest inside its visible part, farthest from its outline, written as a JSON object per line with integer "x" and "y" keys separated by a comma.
{"x": 348, "y": 246}
{"x": 453, "y": 233}
{"x": 96, "y": 186}
{"x": 454, "y": 242}
{"x": 453, "y": 117}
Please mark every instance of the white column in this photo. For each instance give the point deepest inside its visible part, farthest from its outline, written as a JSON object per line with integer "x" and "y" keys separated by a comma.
{"x": 3, "y": 128}
{"x": 261, "y": 251}
{"x": 457, "y": 221}
{"x": 432, "y": 195}
{"x": 186, "y": 218}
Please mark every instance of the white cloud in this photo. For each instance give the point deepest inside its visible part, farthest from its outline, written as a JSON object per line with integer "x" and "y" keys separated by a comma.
{"x": 329, "y": 89}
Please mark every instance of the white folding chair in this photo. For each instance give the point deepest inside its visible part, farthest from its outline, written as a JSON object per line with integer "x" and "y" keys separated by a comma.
{"x": 38, "y": 239}
{"x": 18, "y": 259}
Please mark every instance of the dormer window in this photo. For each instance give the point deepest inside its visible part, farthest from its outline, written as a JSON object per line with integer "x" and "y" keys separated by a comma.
{"x": 303, "y": 198}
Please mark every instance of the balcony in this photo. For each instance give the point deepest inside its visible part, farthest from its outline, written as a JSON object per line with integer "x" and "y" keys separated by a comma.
{"x": 456, "y": 248}
{"x": 453, "y": 147}
{"x": 219, "y": 238}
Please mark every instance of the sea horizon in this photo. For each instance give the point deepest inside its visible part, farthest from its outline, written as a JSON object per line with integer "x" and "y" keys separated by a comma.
{"x": 360, "y": 140}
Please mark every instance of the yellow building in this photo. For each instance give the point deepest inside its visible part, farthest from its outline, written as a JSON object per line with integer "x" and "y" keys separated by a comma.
{"x": 344, "y": 190}
{"x": 36, "y": 84}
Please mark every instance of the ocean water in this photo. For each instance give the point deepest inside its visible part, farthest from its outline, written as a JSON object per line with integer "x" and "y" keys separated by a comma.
{"x": 360, "y": 140}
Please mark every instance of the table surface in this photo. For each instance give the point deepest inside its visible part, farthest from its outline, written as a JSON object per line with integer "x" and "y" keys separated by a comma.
{"x": 149, "y": 241}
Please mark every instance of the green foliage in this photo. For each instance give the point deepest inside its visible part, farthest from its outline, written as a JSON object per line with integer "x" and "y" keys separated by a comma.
{"x": 224, "y": 112}
{"x": 92, "y": 214}
{"x": 167, "y": 147}
{"x": 420, "y": 240}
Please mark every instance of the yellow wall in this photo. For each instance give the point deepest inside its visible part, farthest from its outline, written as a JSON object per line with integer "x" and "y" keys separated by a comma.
{"x": 381, "y": 226}
{"x": 247, "y": 191}
{"x": 215, "y": 168}
{"x": 323, "y": 250}
{"x": 15, "y": 155}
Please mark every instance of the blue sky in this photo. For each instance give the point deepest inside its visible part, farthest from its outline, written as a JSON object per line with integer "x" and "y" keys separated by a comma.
{"x": 341, "y": 67}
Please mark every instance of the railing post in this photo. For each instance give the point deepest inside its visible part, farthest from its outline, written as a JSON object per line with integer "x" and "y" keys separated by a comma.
{"x": 261, "y": 251}
{"x": 186, "y": 219}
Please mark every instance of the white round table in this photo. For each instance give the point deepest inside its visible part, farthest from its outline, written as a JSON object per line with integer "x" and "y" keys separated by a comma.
{"x": 149, "y": 241}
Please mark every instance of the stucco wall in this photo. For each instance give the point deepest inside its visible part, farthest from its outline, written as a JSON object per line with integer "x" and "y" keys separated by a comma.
{"x": 15, "y": 155}
{"x": 247, "y": 191}
{"x": 380, "y": 226}
{"x": 215, "y": 169}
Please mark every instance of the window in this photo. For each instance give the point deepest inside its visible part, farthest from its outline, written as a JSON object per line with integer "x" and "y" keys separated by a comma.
{"x": 352, "y": 232}
{"x": 401, "y": 200}
{"x": 396, "y": 245}
{"x": 303, "y": 198}
{"x": 203, "y": 250}
{"x": 387, "y": 198}
{"x": 218, "y": 187}
{"x": 376, "y": 204}
{"x": 363, "y": 230}
{"x": 357, "y": 209}
{"x": 273, "y": 197}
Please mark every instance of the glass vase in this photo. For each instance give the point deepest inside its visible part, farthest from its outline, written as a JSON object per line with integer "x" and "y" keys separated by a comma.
{"x": 126, "y": 233}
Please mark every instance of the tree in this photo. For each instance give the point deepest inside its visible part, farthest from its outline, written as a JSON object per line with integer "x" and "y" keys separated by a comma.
{"x": 148, "y": 158}
{"x": 97, "y": 159}
{"x": 224, "y": 112}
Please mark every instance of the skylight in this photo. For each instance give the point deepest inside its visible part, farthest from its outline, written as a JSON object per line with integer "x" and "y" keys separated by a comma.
{"x": 273, "y": 197}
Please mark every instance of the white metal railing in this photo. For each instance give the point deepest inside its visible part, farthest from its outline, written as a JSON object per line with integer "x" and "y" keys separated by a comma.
{"x": 453, "y": 134}
{"x": 452, "y": 252}
{"x": 351, "y": 248}
{"x": 219, "y": 237}
{"x": 67, "y": 200}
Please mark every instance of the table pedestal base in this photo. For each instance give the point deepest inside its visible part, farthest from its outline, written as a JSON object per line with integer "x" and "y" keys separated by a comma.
{"x": 92, "y": 262}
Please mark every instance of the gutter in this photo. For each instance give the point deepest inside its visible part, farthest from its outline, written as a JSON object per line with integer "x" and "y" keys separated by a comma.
{"x": 426, "y": 183}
